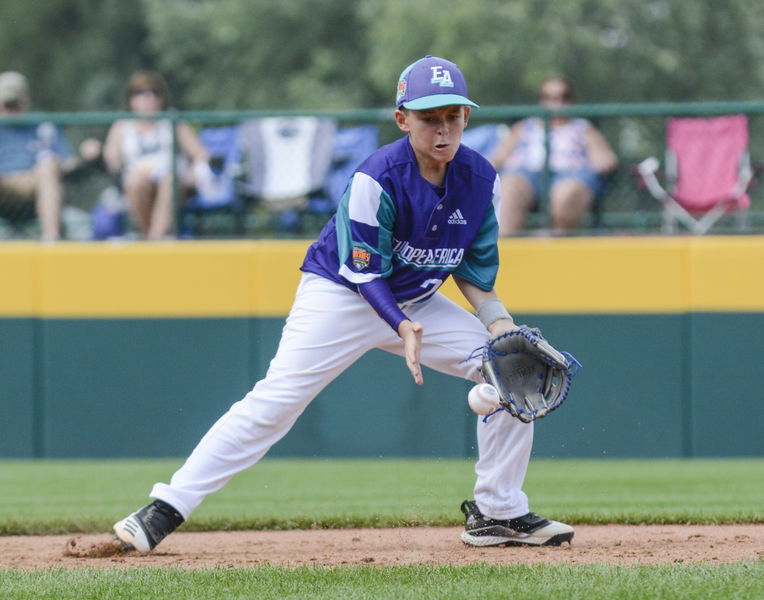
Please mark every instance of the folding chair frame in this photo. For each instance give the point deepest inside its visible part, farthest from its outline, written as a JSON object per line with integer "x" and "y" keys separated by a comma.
{"x": 674, "y": 212}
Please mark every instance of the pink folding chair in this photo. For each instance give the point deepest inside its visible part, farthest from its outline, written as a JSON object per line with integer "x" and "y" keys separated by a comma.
{"x": 707, "y": 172}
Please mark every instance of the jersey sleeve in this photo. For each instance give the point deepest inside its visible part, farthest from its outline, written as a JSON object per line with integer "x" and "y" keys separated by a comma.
{"x": 481, "y": 262}
{"x": 365, "y": 220}
{"x": 379, "y": 296}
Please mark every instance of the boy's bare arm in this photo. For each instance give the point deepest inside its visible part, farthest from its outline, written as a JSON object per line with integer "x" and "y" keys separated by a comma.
{"x": 477, "y": 297}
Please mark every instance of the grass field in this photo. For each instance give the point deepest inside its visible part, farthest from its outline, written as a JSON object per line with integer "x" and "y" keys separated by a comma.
{"x": 741, "y": 581}
{"x": 88, "y": 496}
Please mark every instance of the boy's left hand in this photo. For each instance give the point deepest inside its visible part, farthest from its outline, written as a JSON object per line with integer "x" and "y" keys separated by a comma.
{"x": 501, "y": 326}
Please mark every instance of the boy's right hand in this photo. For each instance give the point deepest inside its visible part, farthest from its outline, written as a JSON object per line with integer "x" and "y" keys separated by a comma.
{"x": 411, "y": 334}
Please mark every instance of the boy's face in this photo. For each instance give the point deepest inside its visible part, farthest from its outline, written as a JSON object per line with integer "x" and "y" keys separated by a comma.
{"x": 435, "y": 133}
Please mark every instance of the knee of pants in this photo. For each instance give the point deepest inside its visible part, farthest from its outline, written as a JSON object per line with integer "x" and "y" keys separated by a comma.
{"x": 270, "y": 413}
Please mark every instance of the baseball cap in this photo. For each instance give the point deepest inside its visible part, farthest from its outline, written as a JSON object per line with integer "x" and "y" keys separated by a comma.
{"x": 432, "y": 82}
{"x": 13, "y": 87}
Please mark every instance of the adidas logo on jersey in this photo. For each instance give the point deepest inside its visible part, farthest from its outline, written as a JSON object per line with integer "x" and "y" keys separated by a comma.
{"x": 457, "y": 218}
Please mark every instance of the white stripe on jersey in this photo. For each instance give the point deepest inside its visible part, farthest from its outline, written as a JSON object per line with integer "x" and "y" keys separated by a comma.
{"x": 497, "y": 198}
{"x": 365, "y": 194}
{"x": 356, "y": 277}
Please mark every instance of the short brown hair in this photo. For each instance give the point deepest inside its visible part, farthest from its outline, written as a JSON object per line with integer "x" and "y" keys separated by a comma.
{"x": 148, "y": 79}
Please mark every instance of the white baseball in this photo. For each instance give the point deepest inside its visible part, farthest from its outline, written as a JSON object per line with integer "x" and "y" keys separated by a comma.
{"x": 483, "y": 399}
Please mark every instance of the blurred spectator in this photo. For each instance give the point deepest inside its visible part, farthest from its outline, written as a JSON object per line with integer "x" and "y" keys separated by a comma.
{"x": 579, "y": 157}
{"x": 140, "y": 151}
{"x": 32, "y": 160}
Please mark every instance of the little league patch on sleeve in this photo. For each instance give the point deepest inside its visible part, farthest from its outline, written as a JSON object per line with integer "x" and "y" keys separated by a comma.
{"x": 361, "y": 258}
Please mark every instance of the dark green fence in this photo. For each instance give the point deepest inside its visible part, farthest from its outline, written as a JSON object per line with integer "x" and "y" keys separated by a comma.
{"x": 650, "y": 387}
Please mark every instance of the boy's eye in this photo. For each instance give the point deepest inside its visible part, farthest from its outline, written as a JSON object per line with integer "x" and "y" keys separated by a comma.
{"x": 432, "y": 119}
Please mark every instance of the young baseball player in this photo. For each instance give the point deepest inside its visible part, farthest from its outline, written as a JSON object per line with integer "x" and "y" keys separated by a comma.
{"x": 414, "y": 213}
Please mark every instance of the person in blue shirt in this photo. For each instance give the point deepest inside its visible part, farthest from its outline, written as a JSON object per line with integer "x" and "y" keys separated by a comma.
{"x": 417, "y": 211}
{"x": 32, "y": 158}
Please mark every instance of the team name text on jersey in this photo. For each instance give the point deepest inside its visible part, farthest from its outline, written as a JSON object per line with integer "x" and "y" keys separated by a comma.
{"x": 427, "y": 257}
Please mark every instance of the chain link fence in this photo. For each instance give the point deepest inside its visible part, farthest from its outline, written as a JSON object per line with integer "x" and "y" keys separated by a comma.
{"x": 263, "y": 164}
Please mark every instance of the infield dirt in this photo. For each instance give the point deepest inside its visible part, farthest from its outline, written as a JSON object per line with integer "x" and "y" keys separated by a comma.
{"x": 605, "y": 544}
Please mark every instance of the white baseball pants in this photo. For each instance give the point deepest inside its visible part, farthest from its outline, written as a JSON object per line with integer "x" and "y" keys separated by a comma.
{"x": 327, "y": 330}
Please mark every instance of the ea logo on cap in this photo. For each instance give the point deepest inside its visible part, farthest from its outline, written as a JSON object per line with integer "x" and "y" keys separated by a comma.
{"x": 441, "y": 76}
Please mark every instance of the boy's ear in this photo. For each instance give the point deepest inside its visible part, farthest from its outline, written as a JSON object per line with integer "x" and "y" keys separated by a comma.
{"x": 401, "y": 119}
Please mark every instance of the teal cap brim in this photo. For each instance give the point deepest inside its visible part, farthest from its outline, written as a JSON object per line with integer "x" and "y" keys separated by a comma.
{"x": 438, "y": 100}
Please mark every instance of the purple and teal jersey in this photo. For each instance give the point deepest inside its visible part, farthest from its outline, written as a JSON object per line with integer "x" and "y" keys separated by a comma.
{"x": 392, "y": 223}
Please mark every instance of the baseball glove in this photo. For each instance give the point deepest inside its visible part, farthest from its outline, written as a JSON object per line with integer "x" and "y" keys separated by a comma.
{"x": 532, "y": 378}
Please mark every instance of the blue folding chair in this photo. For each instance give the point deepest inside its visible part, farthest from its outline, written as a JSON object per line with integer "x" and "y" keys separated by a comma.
{"x": 218, "y": 195}
{"x": 352, "y": 145}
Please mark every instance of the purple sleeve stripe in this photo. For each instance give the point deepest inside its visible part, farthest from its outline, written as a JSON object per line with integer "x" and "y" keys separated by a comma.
{"x": 377, "y": 293}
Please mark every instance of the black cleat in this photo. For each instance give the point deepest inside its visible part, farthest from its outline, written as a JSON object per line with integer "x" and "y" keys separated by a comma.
{"x": 144, "y": 529}
{"x": 529, "y": 529}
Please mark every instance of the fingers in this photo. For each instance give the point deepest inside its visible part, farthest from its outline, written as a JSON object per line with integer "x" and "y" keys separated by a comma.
{"x": 416, "y": 371}
{"x": 411, "y": 334}
{"x": 501, "y": 326}
{"x": 413, "y": 345}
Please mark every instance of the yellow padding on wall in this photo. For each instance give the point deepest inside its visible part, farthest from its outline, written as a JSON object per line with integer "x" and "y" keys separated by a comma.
{"x": 585, "y": 275}
{"x": 209, "y": 279}
{"x": 727, "y": 274}
{"x": 259, "y": 278}
{"x": 19, "y": 277}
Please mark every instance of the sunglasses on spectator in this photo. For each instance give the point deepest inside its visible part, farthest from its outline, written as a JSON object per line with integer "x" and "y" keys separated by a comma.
{"x": 564, "y": 97}
{"x": 141, "y": 91}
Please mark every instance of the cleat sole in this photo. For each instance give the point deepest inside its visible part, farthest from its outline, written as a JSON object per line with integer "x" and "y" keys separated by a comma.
{"x": 495, "y": 540}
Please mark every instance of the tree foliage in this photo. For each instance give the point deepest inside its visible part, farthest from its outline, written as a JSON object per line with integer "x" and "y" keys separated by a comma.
{"x": 238, "y": 54}
{"x": 272, "y": 54}
{"x": 76, "y": 53}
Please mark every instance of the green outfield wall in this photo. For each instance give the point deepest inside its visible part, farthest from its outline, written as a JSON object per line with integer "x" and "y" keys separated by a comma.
{"x": 133, "y": 349}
